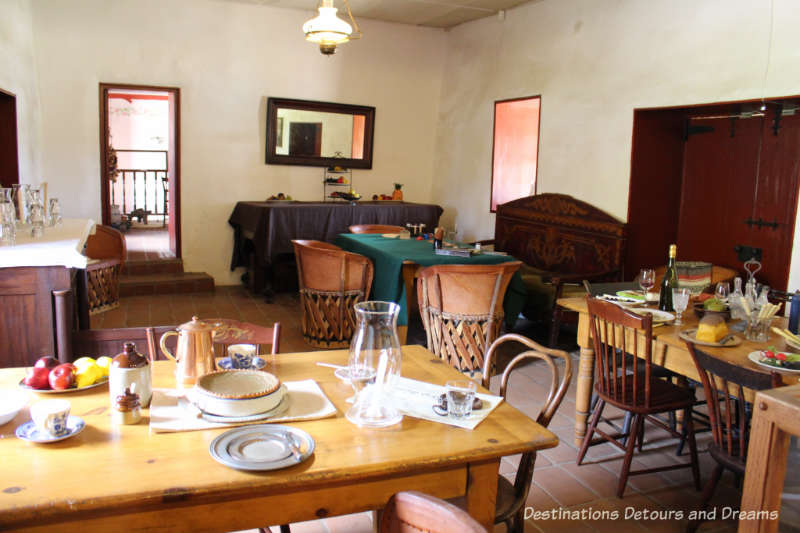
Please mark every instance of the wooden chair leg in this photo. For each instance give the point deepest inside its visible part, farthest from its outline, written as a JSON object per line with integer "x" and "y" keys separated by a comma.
{"x": 626, "y": 464}
{"x": 688, "y": 425}
{"x": 708, "y": 492}
{"x": 587, "y": 440}
{"x": 555, "y": 326}
{"x": 285, "y": 528}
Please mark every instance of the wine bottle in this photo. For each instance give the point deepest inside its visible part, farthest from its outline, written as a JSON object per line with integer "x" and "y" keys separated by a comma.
{"x": 669, "y": 282}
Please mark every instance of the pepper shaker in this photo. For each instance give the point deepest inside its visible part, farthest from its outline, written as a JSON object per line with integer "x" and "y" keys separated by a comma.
{"x": 126, "y": 408}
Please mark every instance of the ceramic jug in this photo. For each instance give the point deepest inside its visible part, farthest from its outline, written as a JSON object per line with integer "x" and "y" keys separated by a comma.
{"x": 195, "y": 352}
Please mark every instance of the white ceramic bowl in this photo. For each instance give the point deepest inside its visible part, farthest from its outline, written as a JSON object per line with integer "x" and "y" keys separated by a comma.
{"x": 237, "y": 392}
{"x": 11, "y": 403}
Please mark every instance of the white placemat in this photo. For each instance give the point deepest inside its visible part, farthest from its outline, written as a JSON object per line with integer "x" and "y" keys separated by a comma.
{"x": 417, "y": 398}
{"x": 306, "y": 402}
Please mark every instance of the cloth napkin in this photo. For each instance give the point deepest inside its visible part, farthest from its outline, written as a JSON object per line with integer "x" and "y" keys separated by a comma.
{"x": 417, "y": 398}
{"x": 169, "y": 413}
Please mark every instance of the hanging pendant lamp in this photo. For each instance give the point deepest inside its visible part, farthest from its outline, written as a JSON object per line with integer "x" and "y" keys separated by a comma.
{"x": 328, "y": 30}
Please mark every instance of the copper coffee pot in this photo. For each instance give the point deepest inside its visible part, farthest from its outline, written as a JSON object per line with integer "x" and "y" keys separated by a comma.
{"x": 195, "y": 352}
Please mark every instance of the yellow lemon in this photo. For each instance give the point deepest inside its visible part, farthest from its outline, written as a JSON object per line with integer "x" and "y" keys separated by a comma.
{"x": 82, "y": 361}
{"x": 87, "y": 374}
{"x": 104, "y": 363}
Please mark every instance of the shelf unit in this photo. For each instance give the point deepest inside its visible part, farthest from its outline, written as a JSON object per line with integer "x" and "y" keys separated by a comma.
{"x": 328, "y": 188}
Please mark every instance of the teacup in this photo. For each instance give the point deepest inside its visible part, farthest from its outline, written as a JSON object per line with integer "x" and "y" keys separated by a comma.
{"x": 50, "y": 416}
{"x": 242, "y": 355}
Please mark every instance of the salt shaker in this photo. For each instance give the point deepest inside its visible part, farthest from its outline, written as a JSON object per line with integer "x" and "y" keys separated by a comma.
{"x": 126, "y": 408}
{"x": 127, "y": 368}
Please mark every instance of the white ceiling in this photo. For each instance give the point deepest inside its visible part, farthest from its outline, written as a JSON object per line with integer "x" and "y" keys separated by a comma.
{"x": 433, "y": 13}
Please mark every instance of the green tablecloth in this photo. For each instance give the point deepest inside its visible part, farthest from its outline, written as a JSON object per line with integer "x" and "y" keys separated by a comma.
{"x": 388, "y": 255}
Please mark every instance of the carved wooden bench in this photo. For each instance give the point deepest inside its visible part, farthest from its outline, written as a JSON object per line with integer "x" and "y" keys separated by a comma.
{"x": 562, "y": 241}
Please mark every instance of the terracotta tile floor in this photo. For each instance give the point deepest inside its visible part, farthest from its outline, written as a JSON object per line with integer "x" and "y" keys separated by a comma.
{"x": 558, "y": 482}
{"x": 147, "y": 243}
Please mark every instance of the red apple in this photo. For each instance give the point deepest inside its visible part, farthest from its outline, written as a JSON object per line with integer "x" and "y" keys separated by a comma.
{"x": 49, "y": 362}
{"x": 37, "y": 378}
{"x": 62, "y": 377}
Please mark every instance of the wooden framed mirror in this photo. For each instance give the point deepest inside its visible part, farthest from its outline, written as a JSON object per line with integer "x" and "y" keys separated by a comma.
{"x": 321, "y": 134}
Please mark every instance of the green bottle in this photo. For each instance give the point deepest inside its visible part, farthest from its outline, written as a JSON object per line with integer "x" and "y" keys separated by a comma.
{"x": 669, "y": 282}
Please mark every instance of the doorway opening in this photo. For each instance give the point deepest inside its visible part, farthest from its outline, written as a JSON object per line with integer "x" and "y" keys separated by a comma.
{"x": 720, "y": 180}
{"x": 9, "y": 157}
{"x": 140, "y": 168}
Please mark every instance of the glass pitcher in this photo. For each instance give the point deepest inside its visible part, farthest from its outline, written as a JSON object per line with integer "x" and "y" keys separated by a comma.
{"x": 374, "y": 364}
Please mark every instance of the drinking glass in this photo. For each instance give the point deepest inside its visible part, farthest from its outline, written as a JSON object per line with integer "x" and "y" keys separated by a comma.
{"x": 374, "y": 364}
{"x": 460, "y": 395}
{"x": 37, "y": 220}
{"x": 680, "y": 300}
{"x": 722, "y": 291}
{"x": 8, "y": 219}
{"x": 54, "y": 213}
{"x": 647, "y": 279}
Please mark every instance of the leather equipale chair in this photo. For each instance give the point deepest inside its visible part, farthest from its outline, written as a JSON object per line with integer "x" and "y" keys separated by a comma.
{"x": 415, "y": 512}
{"x": 511, "y": 497}
{"x": 625, "y": 378}
{"x": 331, "y": 281}
{"x": 462, "y": 309}
{"x": 106, "y": 248}
{"x": 375, "y": 228}
{"x": 729, "y": 413}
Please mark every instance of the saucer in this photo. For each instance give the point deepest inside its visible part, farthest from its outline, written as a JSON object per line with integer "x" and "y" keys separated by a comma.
{"x": 227, "y": 364}
{"x": 28, "y": 431}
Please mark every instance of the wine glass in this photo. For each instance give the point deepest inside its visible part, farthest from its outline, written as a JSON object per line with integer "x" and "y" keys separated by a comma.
{"x": 647, "y": 279}
{"x": 722, "y": 291}
{"x": 680, "y": 301}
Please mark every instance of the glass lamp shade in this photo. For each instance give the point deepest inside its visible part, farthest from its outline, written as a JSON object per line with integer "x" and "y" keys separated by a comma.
{"x": 327, "y": 28}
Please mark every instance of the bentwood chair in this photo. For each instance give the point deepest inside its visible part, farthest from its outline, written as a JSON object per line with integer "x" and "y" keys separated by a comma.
{"x": 462, "y": 310}
{"x": 106, "y": 249}
{"x": 724, "y": 384}
{"x": 511, "y": 497}
{"x": 331, "y": 281}
{"x": 375, "y": 228}
{"x": 415, "y": 512}
{"x": 625, "y": 378}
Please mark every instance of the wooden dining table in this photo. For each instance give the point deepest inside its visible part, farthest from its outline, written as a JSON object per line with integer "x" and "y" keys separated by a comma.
{"x": 669, "y": 350}
{"x": 126, "y": 477}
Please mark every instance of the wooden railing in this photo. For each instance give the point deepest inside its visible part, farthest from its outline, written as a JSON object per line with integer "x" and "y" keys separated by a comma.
{"x": 142, "y": 188}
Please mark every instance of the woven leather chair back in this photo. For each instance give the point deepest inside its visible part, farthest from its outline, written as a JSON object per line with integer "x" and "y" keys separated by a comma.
{"x": 623, "y": 354}
{"x": 107, "y": 246}
{"x": 729, "y": 415}
{"x": 375, "y": 228}
{"x": 415, "y": 512}
{"x": 331, "y": 281}
{"x": 462, "y": 309}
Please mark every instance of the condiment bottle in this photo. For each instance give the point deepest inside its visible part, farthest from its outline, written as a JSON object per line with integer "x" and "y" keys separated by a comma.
{"x": 126, "y": 408}
{"x": 127, "y": 368}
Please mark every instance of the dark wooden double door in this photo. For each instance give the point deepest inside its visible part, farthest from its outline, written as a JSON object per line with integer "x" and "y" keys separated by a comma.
{"x": 737, "y": 187}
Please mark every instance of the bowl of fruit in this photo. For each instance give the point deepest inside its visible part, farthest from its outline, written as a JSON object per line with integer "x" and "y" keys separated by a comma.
{"x": 49, "y": 376}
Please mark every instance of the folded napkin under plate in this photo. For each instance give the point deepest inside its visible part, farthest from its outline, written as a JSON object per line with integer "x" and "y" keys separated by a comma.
{"x": 168, "y": 412}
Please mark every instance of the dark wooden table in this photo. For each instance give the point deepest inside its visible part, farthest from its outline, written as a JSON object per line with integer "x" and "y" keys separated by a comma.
{"x": 263, "y": 231}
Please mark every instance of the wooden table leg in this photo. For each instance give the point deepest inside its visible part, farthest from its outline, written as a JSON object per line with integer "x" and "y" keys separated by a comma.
{"x": 409, "y": 271}
{"x": 482, "y": 491}
{"x": 583, "y": 394}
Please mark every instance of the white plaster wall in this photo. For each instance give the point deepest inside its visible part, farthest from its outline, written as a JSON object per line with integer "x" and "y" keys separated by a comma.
{"x": 593, "y": 62}
{"x": 18, "y": 76}
{"x": 227, "y": 58}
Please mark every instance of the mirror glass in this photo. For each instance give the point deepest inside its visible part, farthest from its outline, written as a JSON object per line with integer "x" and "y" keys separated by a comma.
{"x": 303, "y": 132}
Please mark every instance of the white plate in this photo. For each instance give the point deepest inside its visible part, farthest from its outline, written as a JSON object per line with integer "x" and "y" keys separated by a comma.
{"x": 658, "y": 315}
{"x": 28, "y": 431}
{"x": 262, "y": 447}
{"x": 390, "y": 235}
{"x": 276, "y": 411}
{"x": 756, "y": 358}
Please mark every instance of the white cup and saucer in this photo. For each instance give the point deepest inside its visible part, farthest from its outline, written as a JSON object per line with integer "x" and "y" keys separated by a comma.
{"x": 242, "y": 357}
{"x": 51, "y": 422}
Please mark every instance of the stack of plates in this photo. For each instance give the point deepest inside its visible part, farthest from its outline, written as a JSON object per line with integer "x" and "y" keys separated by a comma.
{"x": 262, "y": 447}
